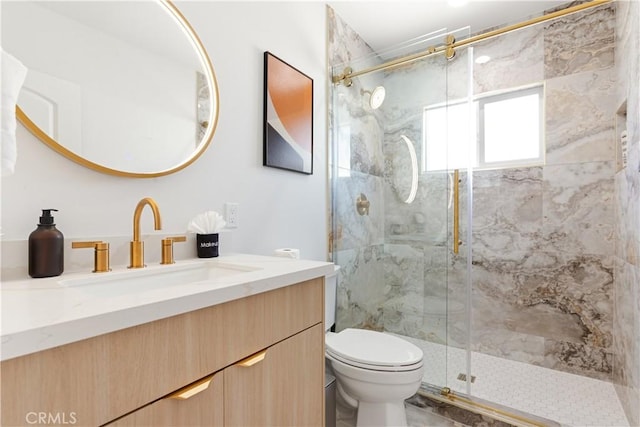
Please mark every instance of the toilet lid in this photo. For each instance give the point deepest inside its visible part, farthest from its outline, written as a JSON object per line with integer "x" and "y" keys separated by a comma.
{"x": 372, "y": 348}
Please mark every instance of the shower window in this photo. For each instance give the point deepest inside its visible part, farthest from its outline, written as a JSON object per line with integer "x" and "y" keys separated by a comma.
{"x": 507, "y": 129}
{"x": 447, "y": 130}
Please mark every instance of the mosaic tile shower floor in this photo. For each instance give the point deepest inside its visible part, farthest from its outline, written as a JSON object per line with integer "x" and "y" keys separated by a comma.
{"x": 569, "y": 399}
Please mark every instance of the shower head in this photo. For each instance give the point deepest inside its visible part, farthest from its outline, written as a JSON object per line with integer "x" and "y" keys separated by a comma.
{"x": 376, "y": 96}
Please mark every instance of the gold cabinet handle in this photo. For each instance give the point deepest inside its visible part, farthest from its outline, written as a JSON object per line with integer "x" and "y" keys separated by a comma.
{"x": 167, "y": 248}
{"x": 253, "y": 359}
{"x": 100, "y": 254}
{"x": 192, "y": 389}
{"x": 456, "y": 211}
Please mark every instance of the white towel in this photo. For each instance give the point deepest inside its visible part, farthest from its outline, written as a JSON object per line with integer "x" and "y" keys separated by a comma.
{"x": 12, "y": 75}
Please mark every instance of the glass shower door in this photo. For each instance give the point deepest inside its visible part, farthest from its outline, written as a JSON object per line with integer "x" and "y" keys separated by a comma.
{"x": 448, "y": 130}
{"x": 392, "y": 206}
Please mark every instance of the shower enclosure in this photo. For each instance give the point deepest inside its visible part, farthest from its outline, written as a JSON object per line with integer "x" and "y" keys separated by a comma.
{"x": 472, "y": 213}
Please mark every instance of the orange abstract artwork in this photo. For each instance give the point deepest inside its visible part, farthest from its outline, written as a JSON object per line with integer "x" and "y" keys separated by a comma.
{"x": 288, "y": 117}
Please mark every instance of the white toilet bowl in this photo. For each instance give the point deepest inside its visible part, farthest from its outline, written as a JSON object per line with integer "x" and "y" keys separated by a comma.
{"x": 375, "y": 372}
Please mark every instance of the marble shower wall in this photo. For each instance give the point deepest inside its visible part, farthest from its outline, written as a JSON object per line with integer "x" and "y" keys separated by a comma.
{"x": 543, "y": 236}
{"x": 626, "y": 322}
{"x": 356, "y": 168}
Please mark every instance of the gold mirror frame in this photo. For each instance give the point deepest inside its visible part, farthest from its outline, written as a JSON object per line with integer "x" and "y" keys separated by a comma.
{"x": 206, "y": 139}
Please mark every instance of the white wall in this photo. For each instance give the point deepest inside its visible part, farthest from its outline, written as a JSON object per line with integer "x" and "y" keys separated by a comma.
{"x": 277, "y": 208}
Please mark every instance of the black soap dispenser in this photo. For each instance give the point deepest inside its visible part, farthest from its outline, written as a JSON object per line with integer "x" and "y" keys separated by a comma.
{"x": 46, "y": 248}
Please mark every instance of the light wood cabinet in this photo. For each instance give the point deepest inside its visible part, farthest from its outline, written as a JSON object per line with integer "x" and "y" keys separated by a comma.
{"x": 286, "y": 388}
{"x": 205, "y": 408}
{"x": 128, "y": 376}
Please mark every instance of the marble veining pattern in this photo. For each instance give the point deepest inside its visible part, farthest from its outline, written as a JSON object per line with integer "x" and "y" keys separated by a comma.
{"x": 579, "y": 125}
{"x": 578, "y": 209}
{"x": 518, "y": 307}
{"x": 522, "y": 50}
{"x": 507, "y": 209}
{"x": 580, "y": 42}
{"x": 358, "y": 230}
{"x": 360, "y": 293}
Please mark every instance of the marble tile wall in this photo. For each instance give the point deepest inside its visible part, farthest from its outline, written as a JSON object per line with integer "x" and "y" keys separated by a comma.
{"x": 543, "y": 237}
{"x": 626, "y": 322}
{"x": 356, "y": 168}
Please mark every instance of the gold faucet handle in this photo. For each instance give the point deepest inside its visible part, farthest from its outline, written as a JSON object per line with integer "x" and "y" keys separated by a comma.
{"x": 100, "y": 254}
{"x": 167, "y": 248}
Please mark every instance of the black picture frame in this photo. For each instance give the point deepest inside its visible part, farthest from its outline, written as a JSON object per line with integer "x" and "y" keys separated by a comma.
{"x": 288, "y": 117}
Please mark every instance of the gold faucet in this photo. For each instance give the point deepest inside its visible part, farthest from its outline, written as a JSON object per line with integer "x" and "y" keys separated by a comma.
{"x": 136, "y": 254}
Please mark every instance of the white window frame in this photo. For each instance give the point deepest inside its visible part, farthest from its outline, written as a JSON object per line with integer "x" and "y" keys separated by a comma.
{"x": 478, "y": 105}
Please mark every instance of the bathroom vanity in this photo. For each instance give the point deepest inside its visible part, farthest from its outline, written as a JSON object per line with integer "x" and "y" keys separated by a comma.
{"x": 243, "y": 348}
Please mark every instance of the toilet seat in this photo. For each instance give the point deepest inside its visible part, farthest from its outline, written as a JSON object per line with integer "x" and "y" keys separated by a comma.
{"x": 373, "y": 350}
{"x": 369, "y": 367}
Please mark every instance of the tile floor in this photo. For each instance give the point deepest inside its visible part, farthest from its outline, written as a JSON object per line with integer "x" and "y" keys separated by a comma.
{"x": 569, "y": 399}
{"x": 416, "y": 417}
{"x": 420, "y": 417}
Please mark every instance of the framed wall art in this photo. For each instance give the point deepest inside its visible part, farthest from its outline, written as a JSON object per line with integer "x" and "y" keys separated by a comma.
{"x": 288, "y": 117}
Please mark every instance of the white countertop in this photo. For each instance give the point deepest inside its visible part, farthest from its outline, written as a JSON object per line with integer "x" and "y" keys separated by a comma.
{"x": 38, "y": 314}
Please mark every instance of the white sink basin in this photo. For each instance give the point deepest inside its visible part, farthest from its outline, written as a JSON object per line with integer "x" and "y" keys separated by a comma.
{"x": 147, "y": 279}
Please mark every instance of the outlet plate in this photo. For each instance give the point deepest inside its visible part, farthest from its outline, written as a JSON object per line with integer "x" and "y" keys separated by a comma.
{"x": 231, "y": 214}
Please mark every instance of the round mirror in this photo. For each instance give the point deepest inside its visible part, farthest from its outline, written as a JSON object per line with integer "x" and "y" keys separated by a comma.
{"x": 124, "y": 88}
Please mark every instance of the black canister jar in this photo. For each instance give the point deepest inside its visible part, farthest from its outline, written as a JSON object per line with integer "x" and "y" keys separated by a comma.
{"x": 207, "y": 245}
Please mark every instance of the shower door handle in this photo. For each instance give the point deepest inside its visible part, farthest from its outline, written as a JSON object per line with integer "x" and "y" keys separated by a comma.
{"x": 456, "y": 211}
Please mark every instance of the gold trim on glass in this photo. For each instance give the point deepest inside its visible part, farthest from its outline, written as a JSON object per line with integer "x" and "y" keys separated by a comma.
{"x": 449, "y": 49}
{"x": 204, "y": 144}
{"x": 456, "y": 211}
{"x": 192, "y": 389}
{"x": 252, "y": 360}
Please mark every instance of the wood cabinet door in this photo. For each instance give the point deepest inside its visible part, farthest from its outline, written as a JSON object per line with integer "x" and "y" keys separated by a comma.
{"x": 198, "y": 404}
{"x": 285, "y": 388}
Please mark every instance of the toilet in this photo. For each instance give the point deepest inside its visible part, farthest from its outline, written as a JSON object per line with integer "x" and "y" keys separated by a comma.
{"x": 375, "y": 372}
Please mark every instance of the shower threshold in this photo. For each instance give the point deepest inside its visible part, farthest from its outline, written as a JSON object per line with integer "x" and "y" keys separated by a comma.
{"x": 522, "y": 389}
{"x": 436, "y": 397}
